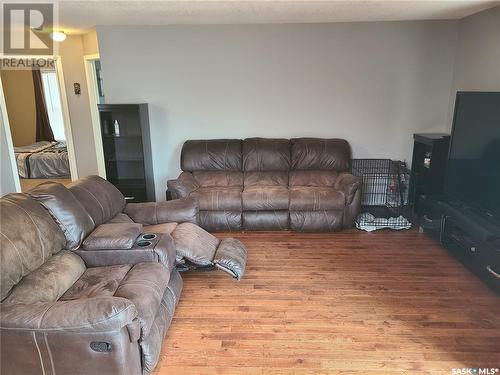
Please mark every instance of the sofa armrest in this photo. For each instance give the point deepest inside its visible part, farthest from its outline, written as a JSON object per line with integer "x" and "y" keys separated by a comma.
{"x": 152, "y": 213}
{"x": 113, "y": 236}
{"x": 182, "y": 186}
{"x": 162, "y": 251}
{"x": 349, "y": 185}
{"x": 86, "y": 315}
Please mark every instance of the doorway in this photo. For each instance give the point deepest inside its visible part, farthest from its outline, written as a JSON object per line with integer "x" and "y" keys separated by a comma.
{"x": 40, "y": 131}
{"x": 96, "y": 96}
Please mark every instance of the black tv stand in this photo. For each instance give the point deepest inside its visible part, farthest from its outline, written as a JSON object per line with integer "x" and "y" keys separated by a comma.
{"x": 457, "y": 204}
{"x": 466, "y": 233}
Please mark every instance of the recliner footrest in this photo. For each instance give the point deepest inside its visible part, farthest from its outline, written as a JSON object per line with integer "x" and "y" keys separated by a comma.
{"x": 200, "y": 250}
{"x": 186, "y": 266}
{"x": 231, "y": 257}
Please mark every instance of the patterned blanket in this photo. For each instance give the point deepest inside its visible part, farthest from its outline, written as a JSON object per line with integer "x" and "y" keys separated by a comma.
{"x": 43, "y": 160}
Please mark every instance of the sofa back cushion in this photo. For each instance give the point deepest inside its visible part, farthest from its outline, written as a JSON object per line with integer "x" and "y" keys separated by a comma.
{"x": 49, "y": 281}
{"x": 218, "y": 178}
{"x": 211, "y": 155}
{"x": 28, "y": 238}
{"x": 100, "y": 198}
{"x": 320, "y": 154}
{"x": 312, "y": 178}
{"x": 266, "y": 154}
{"x": 67, "y": 212}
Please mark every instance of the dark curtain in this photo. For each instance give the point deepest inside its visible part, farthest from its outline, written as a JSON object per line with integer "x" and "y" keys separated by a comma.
{"x": 43, "y": 129}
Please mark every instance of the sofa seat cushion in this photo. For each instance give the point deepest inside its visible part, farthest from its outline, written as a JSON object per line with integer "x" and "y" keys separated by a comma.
{"x": 265, "y": 198}
{"x": 218, "y": 198}
{"x": 97, "y": 282}
{"x": 113, "y": 236}
{"x": 165, "y": 228}
{"x": 273, "y": 178}
{"x": 144, "y": 285}
{"x": 308, "y": 198}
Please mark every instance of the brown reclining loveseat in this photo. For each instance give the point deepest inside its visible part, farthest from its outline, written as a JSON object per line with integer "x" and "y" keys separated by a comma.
{"x": 301, "y": 184}
{"x": 86, "y": 289}
{"x": 172, "y": 222}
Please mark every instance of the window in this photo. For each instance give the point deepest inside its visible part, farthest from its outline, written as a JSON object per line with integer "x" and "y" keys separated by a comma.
{"x": 53, "y": 102}
{"x": 98, "y": 75}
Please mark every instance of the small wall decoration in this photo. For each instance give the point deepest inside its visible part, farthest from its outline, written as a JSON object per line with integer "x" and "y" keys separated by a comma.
{"x": 77, "y": 88}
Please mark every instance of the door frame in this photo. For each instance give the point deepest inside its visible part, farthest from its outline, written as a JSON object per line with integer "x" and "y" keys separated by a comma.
{"x": 67, "y": 121}
{"x": 4, "y": 120}
{"x": 90, "y": 74}
{"x": 65, "y": 112}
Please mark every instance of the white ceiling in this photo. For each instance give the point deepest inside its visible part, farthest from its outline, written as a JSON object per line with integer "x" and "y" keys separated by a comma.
{"x": 78, "y": 16}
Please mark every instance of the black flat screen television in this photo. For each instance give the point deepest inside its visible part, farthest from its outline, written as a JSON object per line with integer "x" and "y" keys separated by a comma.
{"x": 473, "y": 168}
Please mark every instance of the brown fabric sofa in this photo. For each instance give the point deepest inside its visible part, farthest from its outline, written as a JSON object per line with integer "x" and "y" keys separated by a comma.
{"x": 176, "y": 222}
{"x": 301, "y": 184}
{"x": 61, "y": 314}
{"x": 88, "y": 283}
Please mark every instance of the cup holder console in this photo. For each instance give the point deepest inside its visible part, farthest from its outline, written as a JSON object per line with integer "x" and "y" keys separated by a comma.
{"x": 147, "y": 239}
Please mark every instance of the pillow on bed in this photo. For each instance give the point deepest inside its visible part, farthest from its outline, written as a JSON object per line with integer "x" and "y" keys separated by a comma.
{"x": 67, "y": 212}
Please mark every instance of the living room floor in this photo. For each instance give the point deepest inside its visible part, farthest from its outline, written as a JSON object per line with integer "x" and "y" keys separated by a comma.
{"x": 344, "y": 303}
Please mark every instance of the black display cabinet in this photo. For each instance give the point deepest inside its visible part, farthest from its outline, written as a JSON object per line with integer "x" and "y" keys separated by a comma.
{"x": 430, "y": 153}
{"x": 127, "y": 149}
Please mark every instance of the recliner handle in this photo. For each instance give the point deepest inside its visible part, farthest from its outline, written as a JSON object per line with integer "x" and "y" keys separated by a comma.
{"x": 101, "y": 346}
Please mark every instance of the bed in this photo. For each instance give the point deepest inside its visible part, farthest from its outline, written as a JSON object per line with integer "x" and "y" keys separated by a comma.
{"x": 43, "y": 160}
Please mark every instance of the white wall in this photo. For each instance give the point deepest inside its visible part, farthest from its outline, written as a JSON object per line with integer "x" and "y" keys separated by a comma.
{"x": 374, "y": 84}
{"x": 90, "y": 45}
{"x": 477, "y": 64}
{"x": 71, "y": 51}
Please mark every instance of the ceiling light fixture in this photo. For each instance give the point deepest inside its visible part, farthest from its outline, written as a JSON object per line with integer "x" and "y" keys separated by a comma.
{"x": 58, "y": 36}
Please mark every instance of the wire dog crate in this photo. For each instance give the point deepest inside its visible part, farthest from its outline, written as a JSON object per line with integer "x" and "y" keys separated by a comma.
{"x": 385, "y": 191}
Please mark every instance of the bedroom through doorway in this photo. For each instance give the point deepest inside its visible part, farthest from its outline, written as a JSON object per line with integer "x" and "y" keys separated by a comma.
{"x": 37, "y": 114}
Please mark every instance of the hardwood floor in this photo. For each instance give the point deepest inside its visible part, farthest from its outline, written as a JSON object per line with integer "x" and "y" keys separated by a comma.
{"x": 344, "y": 303}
